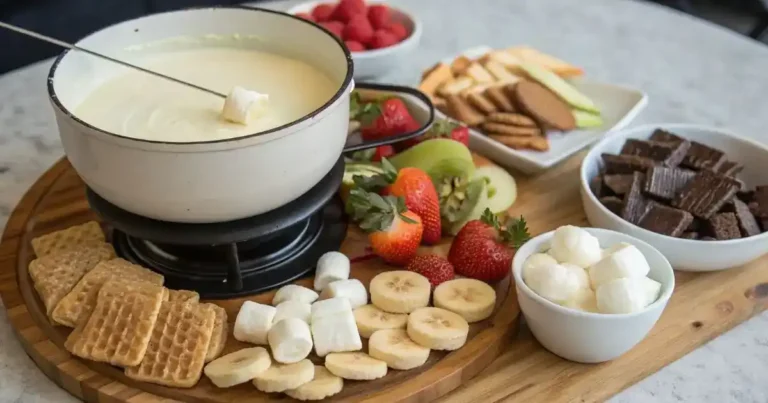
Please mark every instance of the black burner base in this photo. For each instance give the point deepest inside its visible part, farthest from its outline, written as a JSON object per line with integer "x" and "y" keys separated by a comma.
{"x": 263, "y": 264}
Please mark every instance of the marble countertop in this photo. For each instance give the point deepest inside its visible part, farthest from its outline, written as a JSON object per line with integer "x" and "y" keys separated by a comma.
{"x": 693, "y": 72}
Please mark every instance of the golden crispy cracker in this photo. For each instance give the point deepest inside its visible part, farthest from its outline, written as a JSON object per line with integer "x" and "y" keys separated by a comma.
{"x": 481, "y": 103}
{"x": 183, "y": 295}
{"x": 502, "y": 129}
{"x": 88, "y": 233}
{"x": 512, "y": 119}
{"x": 463, "y": 111}
{"x": 500, "y": 98}
{"x": 220, "y": 334}
{"x": 536, "y": 143}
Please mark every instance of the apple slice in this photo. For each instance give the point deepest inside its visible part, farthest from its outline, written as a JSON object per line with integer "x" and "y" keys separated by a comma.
{"x": 560, "y": 87}
{"x": 586, "y": 120}
{"x": 500, "y": 186}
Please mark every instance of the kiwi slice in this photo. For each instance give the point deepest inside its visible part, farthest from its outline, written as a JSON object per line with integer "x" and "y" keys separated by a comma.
{"x": 461, "y": 201}
{"x": 501, "y": 187}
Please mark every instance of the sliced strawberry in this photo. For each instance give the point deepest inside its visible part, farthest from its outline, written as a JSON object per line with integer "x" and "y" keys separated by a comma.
{"x": 354, "y": 46}
{"x": 358, "y": 29}
{"x": 323, "y": 12}
{"x": 382, "y": 38}
{"x": 335, "y": 27}
{"x": 379, "y": 16}
{"x": 382, "y": 152}
{"x": 435, "y": 268}
{"x": 449, "y": 129}
{"x": 398, "y": 30}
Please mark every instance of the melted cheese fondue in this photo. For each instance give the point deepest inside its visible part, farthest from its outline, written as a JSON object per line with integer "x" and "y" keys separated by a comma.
{"x": 139, "y": 105}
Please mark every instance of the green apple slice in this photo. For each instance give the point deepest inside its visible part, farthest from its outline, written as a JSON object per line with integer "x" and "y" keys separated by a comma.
{"x": 562, "y": 88}
{"x": 500, "y": 187}
{"x": 587, "y": 120}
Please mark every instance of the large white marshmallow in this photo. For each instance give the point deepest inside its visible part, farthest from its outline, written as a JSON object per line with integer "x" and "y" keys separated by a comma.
{"x": 533, "y": 263}
{"x": 581, "y": 276}
{"x": 554, "y": 282}
{"x": 621, "y": 295}
{"x": 332, "y": 266}
{"x": 242, "y": 105}
{"x": 583, "y": 300}
{"x": 575, "y": 245}
{"x": 651, "y": 290}
{"x": 627, "y": 261}
{"x": 614, "y": 248}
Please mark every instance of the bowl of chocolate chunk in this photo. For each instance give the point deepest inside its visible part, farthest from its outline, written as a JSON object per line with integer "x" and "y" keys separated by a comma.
{"x": 698, "y": 194}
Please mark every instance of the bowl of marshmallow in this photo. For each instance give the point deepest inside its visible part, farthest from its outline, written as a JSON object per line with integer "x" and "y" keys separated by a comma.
{"x": 590, "y": 295}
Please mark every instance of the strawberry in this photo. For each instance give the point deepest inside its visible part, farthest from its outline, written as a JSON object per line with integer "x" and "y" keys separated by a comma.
{"x": 416, "y": 187}
{"x": 393, "y": 231}
{"x": 379, "y": 16}
{"x": 323, "y": 12}
{"x": 347, "y": 9}
{"x": 398, "y": 30}
{"x": 451, "y": 130}
{"x": 382, "y": 152}
{"x": 358, "y": 29}
{"x": 335, "y": 27}
{"x": 305, "y": 16}
{"x": 354, "y": 46}
{"x": 385, "y": 118}
{"x": 382, "y": 39}
{"x": 483, "y": 250}
{"x": 435, "y": 268}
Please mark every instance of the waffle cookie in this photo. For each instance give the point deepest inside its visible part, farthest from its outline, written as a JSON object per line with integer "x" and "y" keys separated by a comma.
{"x": 178, "y": 345}
{"x": 220, "y": 333}
{"x": 119, "y": 328}
{"x": 55, "y": 275}
{"x": 88, "y": 233}
{"x": 183, "y": 295}
{"x": 82, "y": 298}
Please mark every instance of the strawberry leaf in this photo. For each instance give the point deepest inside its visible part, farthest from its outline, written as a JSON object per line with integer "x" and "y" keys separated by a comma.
{"x": 369, "y": 113}
{"x": 355, "y": 105}
{"x": 491, "y": 219}
{"x": 374, "y": 212}
{"x": 443, "y": 128}
{"x": 373, "y": 183}
{"x": 516, "y": 232}
{"x": 363, "y": 155}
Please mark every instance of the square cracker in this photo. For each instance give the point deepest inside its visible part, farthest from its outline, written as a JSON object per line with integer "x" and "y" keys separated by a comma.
{"x": 178, "y": 346}
{"x": 68, "y": 238}
{"x": 81, "y": 300}
{"x": 55, "y": 275}
{"x": 220, "y": 333}
{"x": 183, "y": 295}
{"x": 119, "y": 328}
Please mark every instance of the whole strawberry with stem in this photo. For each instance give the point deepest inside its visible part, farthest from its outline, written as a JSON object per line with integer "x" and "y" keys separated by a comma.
{"x": 435, "y": 268}
{"x": 483, "y": 249}
{"x": 385, "y": 118}
{"x": 440, "y": 129}
{"x": 393, "y": 231}
{"x": 416, "y": 188}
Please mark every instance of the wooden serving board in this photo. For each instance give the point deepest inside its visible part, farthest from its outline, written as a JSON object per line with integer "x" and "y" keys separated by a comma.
{"x": 703, "y": 306}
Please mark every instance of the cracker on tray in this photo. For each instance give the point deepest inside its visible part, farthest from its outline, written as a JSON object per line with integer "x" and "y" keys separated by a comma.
{"x": 183, "y": 295}
{"x": 88, "y": 233}
{"x": 220, "y": 333}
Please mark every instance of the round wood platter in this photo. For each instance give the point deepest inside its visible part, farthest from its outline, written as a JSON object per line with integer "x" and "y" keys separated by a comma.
{"x": 57, "y": 201}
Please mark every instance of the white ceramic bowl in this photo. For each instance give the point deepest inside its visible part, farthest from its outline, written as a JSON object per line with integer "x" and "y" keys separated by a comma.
{"x": 374, "y": 63}
{"x": 585, "y": 336}
{"x": 684, "y": 254}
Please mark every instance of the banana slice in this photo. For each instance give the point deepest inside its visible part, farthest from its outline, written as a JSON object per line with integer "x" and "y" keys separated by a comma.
{"x": 323, "y": 384}
{"x": 281, "y": 377}
{"x": 370, "y": 319}
{"x": 238, "y": 367}
{"x": 356, "y": 366}
{"x": 294, "y": 292}
{"x": 394, "y": 347}
{"x": 351, "y": 289}
{"x": 473, "y": 299}
{"x": 437, "y": 329}
{"x": 400, "y": 291}
{"x": 290, "y": 340}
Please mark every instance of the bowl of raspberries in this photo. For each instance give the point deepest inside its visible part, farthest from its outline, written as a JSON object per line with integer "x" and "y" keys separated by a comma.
{"x": 378, "y": 35}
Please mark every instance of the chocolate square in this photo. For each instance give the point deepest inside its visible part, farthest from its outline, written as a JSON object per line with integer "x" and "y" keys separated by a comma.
{"x": 696, "y": 225}
{"x": 665, "y": 183}
{"x": 635, "y": 204}
{"x": 700, "y": 156}
{"x": 669, "y": 154}
{"x": 666, "y": 220}
{"x": 764, "y": 224}
{"x": 747, "y": 222}
{"x": 730, "y": 168}
{"x": 724, "y": 226}
{"x": 665, "y": 137}
{"x": 612, "y": 203}
{"x": 761, "y": 202}
{"x": 746, "y": 196}
{"x": 690, "y": 235}
{"x": 626, "y": 164}
{"x": 596, "y": 185}
{"x": 618, "y": 184}
{"x": 705, "y": 194}
{"x": 707, "y": 238}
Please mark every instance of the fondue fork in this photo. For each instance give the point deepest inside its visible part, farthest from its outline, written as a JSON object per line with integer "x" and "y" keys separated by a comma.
{"x": 54, "y": 41}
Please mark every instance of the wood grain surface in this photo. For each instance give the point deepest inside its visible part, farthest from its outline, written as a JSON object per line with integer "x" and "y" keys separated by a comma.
{"x": 703, "y": 306}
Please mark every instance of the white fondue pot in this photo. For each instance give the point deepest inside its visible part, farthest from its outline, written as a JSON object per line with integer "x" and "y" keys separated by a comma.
{"x": 209, "y": 181}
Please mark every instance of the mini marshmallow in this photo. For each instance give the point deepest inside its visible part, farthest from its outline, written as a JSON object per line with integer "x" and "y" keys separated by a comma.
{"x": 583, "y": 300}
{"x": 242, "y": 105}
{"x": 351, "y": 289}
{"x": 330, "y": 307}
{"x": 608, "y": 251}
{"x": 554, "y": 282}
{"x": 292, "y": 309}
{"x": 621, "y": 295}
{"x": 581, "y": 276}
{"x": 294, "y": 292}
{"x": 575, "y": 245}
{"x": 651, "y": 290}
{"x": 627, "y": 261}
{"x": 253, "y": 322}
{"x": 533, "y": 263}
{"x": 332, "y": 266}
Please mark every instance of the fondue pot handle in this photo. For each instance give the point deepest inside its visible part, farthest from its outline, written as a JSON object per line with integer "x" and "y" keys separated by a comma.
{"x": 418, "y": 103}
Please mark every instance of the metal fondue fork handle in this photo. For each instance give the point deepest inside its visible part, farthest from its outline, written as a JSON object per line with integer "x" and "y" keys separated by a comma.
{"x": 92, "y": 53}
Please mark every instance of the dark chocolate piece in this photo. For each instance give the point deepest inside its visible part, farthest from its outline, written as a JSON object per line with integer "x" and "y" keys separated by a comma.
{"x": 669, "y": 154}
{"x": 730, "y": 168}
{"x": 626, "y": 164}
{"x": 746, "y": 196}
{"x": 724, "y": 226}
{"x": 618, "y": 184}
{"x": 665, "y": 137}
{"x": 635, "y": 204}
{"x": 705, "y": 194}
{"x": 596, "y": 184}
{"x": 747, "y": 221}
{"x": 666, "y": 220}
{"x": 665, "y": 183}
{"x": 761, "y": 202}
{"x": 707, "y": 238}
{"x": 764, "y": 224}
{"x": 700, "y": 156}
{"x": 690, "y": 235}
{"x": 696, "y": 225}
{"x": 612, "y": 203}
